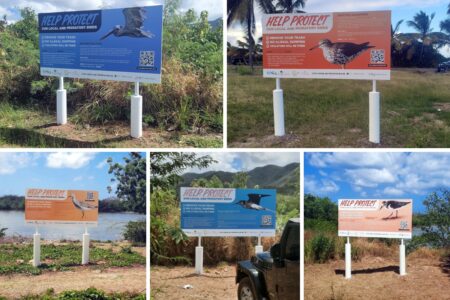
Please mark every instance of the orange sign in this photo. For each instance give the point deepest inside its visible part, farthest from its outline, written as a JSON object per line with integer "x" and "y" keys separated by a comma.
{"x": 390, "y": 218}
{"x": 61, "y": 206}
{"x": 346, "y": 45}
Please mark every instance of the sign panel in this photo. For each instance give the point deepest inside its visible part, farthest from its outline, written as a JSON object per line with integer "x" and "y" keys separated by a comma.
{"x": 345, "y": 45}
{"x": 388, "y": 218}
{"x": 111, "y": 44}
{"x": 228, "y": 212}
{"x": 43, "y": 206}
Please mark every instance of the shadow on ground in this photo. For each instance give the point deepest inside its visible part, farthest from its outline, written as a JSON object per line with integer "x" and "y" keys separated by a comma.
{"x": 445, "y": 265}
{"x": 30, "y": 138}
{"x": 369, "y": 271}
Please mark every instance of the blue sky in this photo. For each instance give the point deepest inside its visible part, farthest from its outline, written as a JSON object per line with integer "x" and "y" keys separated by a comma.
{"x": 377, "y": 175}
{"x": 61, "y": 170}
{"x": 10, "y": 7}
{"x": 401, "y": 9}
{"x": 246, "y": 161}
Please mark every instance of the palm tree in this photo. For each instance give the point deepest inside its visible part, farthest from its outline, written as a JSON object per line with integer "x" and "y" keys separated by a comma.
{"x": 422, "y": 24}
{"x": 243, "y": 11}
{"x": 290, "y": 6}
{"x": 445, "y": 25}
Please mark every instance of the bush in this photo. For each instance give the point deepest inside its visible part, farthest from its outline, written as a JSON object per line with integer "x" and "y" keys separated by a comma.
{"x": 2, "y": 232}
{"x": 244, "y": 70}
{"x": 320, "y": 248}
{"x": 135, "y": 232}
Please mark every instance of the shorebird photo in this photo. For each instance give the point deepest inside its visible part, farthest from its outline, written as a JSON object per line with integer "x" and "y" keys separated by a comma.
{"x": 341, "y": 53}
{"x": 82, "y": 205}
{"x": 393, "y": 206}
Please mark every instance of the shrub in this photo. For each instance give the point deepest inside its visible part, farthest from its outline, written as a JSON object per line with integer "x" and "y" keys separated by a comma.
{"x": 135, "y": 232}
{"x": 2, "y": 232}
{"x": 320, "y": 248}
{"x": 244, "y": 70}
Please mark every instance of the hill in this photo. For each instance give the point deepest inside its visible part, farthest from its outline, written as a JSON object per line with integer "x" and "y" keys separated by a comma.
{"x": 284, "y": 179}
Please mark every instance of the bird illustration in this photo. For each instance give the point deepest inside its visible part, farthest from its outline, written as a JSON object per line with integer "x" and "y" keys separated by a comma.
{"x": 82, "y": 205}
{"x": 253, "y": 202}
{"x": 393, "y": 205}
{"x": 341, "y": 53}
{"x": 134, "y": 20}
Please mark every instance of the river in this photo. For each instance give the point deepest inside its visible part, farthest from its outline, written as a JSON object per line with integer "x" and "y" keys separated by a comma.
{"x": 110, "y": 227}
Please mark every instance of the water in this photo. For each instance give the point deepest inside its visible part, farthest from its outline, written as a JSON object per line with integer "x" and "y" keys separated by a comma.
{"x": 110, "y": 227}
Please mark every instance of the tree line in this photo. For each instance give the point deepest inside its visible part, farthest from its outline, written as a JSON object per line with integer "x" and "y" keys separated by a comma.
{"x": 418, "y": 48}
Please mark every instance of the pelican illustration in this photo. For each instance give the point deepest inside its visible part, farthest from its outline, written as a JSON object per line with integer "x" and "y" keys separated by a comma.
{"x": 82, "y": 205}
{"x": 134, "y": 20}
{"x": 393, "y": 205}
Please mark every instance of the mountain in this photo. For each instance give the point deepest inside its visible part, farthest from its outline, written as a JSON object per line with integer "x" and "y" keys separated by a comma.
{"x": 216, "y": 23}
{"x": 284, "y": 179}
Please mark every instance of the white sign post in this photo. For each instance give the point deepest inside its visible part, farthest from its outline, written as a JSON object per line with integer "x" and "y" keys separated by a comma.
{"x": 348, "y": 259}
{"x": 402, "y": 270}
{"x": 86, "y": 240}
{"x": 259, "y": 247}
{"x": 36, "y": 248}
{"x": 278, "y": 109}
{"x": 374, "y": 114}
{"x": 61, "y": 103}
{"x": 199, "y": 257}
{"x": 136, "y": 112}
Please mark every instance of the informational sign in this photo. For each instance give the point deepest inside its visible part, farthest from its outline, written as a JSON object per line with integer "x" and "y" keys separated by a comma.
{"x": 43, "y": 206}
{"x": 110, "y": 44}
{"x": 228, "y": 212}
{"x": 388, "y": 218}
{"x": 345, "y": 45}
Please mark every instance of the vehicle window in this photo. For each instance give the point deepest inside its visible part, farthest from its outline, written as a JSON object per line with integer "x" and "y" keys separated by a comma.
{"x": 293, "y": 243}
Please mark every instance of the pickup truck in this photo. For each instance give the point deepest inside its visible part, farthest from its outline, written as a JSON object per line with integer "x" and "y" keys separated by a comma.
{"x": 273, "y": 275}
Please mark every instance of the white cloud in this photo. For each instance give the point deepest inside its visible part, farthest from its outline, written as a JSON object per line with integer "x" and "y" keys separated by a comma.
{"x": 78, "y": 178}
{"x": 320, "y": 187}
{"x": 71, "y": 160}
{"x": 11, "y": 162}
{"x": 102, "y": 164}
{"x": 370, "y": 177}
{"x": 392, "y": 191}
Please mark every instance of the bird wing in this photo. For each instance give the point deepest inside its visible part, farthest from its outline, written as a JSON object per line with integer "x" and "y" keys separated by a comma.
{"x": 106, "y": 35}
{"x": 134, "y": 18}
{"x": 397, "y": 204}
{"x": 254, "y": 198}
{"x": 350, "y": 49}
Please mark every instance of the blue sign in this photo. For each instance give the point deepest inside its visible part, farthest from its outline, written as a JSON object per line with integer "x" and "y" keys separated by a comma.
{"x": 111, "y": 44}
{"x": 228, "y": 212}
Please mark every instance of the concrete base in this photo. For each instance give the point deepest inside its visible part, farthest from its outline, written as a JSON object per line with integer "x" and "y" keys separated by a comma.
{"x": 402, "y": 269}
{"x": 348, "y": 261}
{"x": 258, "y": 249}
{"x": 85, "y": 255}
{"x": 61, "y": 107}
{"x": 199, "y": 260}
{"x": 36, "y": 250}
{"x": 374, "y": 117}
{"x": 278, "y": 112}
{"x": 136, "y": 116}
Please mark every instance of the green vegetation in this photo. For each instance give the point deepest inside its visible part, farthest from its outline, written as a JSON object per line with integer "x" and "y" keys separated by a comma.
{"x": 131, "y": 181}
{"x": 14, "y": 258}
{"x": 169, "y": 245}
{"x": 188, "y": 102}
{"x": 136, "y": 232}
{"x": 3, "y": 232}
{"x": 334, "y": 113}
{"x": 88, "y": 294}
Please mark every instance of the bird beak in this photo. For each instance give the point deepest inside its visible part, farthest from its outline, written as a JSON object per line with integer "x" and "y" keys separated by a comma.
{"x": 265, "y": 195}
{"x": 315, "y": 47}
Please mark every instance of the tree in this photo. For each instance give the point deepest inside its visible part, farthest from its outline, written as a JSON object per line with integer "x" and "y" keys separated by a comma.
{"x": 131, "y": 181}
{"x": 436, "y": 221}
{"x": 290, "y": 6}
{"x": 240, "y": 180}
{"x": 445, "y": 25}
{"x": 422, "y": 24}
{"x": 27, "y": 27}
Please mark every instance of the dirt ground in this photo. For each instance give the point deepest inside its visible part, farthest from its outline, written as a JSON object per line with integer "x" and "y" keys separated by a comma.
{"x": 378, "y": 278}
{"x": 216, "y": 283}
{"x": 110, "y": 280}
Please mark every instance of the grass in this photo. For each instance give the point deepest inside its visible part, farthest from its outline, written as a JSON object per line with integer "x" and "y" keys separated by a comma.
{"x": 88, "y": 294}
{"x": 31, "y": 127}
{"x": 14, "y": 258}
{"x": 415, "y": 111}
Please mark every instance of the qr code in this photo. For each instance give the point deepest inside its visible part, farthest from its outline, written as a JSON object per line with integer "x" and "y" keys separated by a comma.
{"x": 147, "y": 58}
{"x": 266, "y": 220}
{"x": 90, "y": 196}
{"x": 403, "y": 225}
{"x": 377, "y": 56}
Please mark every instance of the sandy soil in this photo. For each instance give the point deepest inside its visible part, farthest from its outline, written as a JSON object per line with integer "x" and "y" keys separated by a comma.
{"x": 377, "y": 278}
{"x": 216, "y": 283}
{"x": 110, "y": 280}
